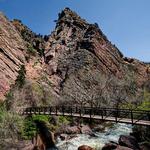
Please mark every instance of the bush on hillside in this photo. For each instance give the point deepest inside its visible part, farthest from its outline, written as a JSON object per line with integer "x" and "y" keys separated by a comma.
{"x": 29, "y": 129}
{"x": 31, "y": 50}
{"x": 145, "y": 105}
{"x": 20, "y": 81}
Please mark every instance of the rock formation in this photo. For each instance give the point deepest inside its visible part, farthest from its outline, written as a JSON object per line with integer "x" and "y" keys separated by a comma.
{"x": 75, "y": 64}
{"x": 12, "y": 54}
{"x": 84, "y": 66}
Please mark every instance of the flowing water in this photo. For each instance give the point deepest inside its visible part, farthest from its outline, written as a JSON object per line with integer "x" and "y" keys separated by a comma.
{"x": 110, "y": 134}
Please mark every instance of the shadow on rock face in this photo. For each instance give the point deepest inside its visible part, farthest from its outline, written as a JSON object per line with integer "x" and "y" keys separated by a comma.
{"x": 47, "y": 137}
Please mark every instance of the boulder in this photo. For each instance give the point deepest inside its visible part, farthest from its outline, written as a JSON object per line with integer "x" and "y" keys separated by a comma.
{"x": 129, "y": 141}
{"x": 137, "y": 135}
{"x": 63, "y": 137}
{"x": 145, "y": 146}
{"x": 109, "y": 146}
{"x": 122, "y": 148}
{"x": 85, "y": 129}
{"x": 72, "y": 130}
{"x": 99, "y": 128}
{"x": 85, "y": 147}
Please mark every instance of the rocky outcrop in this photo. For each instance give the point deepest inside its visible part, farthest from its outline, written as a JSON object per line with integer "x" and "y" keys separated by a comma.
{"x": 20, "y": 46}
{"x": 75, "y": 64}
{"x": 45, "y": 140}
{"x": 79, "y": 55}
{"x": 33, "y": 41}
{"x": 129, "y": 141}
{"x": 12, "y": 54}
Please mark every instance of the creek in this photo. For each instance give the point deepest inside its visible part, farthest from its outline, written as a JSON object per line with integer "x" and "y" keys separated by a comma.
{"x": 98, "y": 141}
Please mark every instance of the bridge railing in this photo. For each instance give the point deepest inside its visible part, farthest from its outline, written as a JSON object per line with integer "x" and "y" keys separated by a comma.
{"x": 103, "y": 113}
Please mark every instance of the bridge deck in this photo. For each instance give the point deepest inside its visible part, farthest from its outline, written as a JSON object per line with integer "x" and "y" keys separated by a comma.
{"x": 97, "y": 117}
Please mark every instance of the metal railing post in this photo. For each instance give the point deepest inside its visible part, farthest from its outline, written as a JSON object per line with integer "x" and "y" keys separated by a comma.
{"x": 76, "y": 110}
{"x": 132, "y": 116}
{"x": 80, "y": 112}
{"x": 33, "y": 109}
{"x": 30, "y": 111}
{"x": 71, "y": 111}
{"x": 62, "y": 110}
{"x": 44, "y": 110}
{"x": 50, "y": 110}
{"x": 56, "y": 110}
{"x": 39, "y": 111}
{"x": 102, "y": 114}
{"x": 148, "y": 114}
{"x": 116, "y": 115}
{"x": 105, "y": 113}
{"x": 90, "y": 113}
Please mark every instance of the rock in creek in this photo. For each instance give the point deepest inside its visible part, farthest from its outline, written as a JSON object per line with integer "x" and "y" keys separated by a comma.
{"x": 129, "y": 141}
{"x": 85, "y": 147}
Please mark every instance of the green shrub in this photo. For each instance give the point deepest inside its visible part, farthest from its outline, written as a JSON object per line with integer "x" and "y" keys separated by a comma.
{"x": 37, "y": 88}
{"x": 41, "y": 52}
{"x": 31, "y": 50}
{"x": 29, "y": 126}
{"x": 29, "y": 129}
{"x": 128, "y": 105}
{"x": 9, "y": 100}
{"x": 43, "y": 118}
{"x": 64, "y": 120}
{"x": 145, "y": 105}
{"x": 133, "y": 87}
{"x": 20, "y": 81}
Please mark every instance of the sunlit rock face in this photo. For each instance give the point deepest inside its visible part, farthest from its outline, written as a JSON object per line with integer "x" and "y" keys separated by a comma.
{"x": 11, "y": 54}
{"x": 86, "y": 68}
{"x": 76, "y": 64}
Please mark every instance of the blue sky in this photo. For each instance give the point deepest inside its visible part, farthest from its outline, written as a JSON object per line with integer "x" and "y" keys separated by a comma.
{"x": 126, "y": 23}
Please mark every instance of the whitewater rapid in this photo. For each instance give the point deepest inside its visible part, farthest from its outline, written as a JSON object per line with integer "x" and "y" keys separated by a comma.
{"x": 109, "y": 134}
